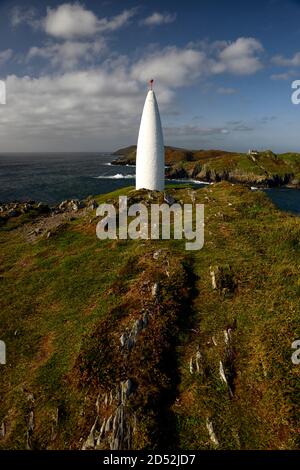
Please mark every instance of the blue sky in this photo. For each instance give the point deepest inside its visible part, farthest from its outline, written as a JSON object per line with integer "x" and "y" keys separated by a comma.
{"x": 76, "y": 73}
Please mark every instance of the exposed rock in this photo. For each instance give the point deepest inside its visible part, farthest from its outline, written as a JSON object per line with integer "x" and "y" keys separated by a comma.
{"x": 145, "y": 320}
{"x": 169, "y": 199}
{"x": 90, "y": 442}
{"x": 93, "y": 204}
{"x": 128, "y": 339}
{"x": 222, "y": 278}
{"x": 63, "y": 205}
{"x": 211, "y": 432}
{"x": 137, "y": 327}
{"x": 123, "y": 339}
{"x": 74, "y": 205}
{"x": 2, "y": 429}
{"x": 222, "y": 373}
{"x": 30, "y": 428}
{"x": 26, "y": 208}
{"x": 13, "y": 213}
{"x": 196, "y": 363}
{"x": 30, "y": 397}
{"x": 155, "y": 290}
{"x": 224, "y": 377}
{"x": 213, "y": 278}
{"x": 156, "y": 254}
{"x": 71, "y": 205}
{"x": 126, "y": 390}
{"x": 98, "y": 403}
{"x": 105, "y": 401}
{"x": 191, "y": 366}
{"x": 102, "y": 431}
{"x": 227, "y": 336}
{"x": 43, "y": 207}
{"x": 31, "y": 421}
{"x": 176, "y": 172}
{"x": 109, "y": 423}
{"x": 55, "y": 418}
{"x": 115, "y": 431}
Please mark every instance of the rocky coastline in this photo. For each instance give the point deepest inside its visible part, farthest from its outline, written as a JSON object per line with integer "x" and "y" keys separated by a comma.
{"x": 259, "y": 169}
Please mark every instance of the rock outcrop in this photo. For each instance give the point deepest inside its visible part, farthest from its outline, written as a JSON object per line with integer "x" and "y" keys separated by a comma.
{"x": 265, "y": 169}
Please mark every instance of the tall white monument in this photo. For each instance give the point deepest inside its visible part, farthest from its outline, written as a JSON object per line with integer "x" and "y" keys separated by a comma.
{"x": 150, "y": 154}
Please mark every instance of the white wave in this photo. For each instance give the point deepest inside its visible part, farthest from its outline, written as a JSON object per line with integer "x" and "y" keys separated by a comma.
{"x": 187, "y": 180}
{"x": 118, "y": 176}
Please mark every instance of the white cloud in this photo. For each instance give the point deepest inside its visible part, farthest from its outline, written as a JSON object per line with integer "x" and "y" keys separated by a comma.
{"x": 194, "y": 130}
{"x": 178, "y": 67}
{"x": 240, "y": 57}
{"x": 226, "y": 91}
{"x": 70, "y": 20}
{"x": 73, "y": 110}
{"x": 287, "y": 62}
{"x": 74, "y": 20}
{"x": 188, "y": 130}
{"x": 282, "y": 76}
{"x": 25, "y": 15}
{"x": 170, "y": 67}
{"x": 69, "y": 53}
{"x": 100, "y": 106}
{"x": 159, "y": 18}
{"x": 117, "y": 21}
{"x": 5, "y": 56}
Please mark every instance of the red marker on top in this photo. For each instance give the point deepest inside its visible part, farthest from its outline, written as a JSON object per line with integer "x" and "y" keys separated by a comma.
{"x": 151, "y": 84}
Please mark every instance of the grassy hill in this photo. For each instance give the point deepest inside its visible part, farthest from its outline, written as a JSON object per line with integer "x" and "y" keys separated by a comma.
{"x": 264, "y": 169}
{"x": 117, "y": 344}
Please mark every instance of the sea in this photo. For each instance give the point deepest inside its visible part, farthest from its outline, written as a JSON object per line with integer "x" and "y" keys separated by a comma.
{"x": 54, "y": 177}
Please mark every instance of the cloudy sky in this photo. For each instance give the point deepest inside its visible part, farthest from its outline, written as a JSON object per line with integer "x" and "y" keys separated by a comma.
{"x": 76, "y": 73}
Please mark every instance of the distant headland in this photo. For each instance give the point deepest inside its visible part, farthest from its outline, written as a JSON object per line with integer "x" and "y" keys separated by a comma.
{"x": 261, "y": 169}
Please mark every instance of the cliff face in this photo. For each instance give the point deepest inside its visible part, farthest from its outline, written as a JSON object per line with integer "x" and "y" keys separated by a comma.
{"x": 119, "y": 344}
{"x": 264, "y": 169}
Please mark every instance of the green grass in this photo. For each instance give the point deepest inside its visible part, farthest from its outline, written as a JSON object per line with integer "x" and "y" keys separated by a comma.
{"x": 265, "y": 169}
{"x": 56, "y": 293}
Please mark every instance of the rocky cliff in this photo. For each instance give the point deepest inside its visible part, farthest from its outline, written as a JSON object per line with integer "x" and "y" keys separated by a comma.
{"x": 261, "y": 169}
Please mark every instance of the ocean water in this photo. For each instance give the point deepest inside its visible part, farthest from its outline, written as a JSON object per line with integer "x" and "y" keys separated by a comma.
{"x": 287, "y": 199}
{"x": 51, "y": 178}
